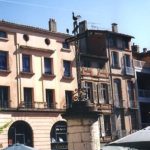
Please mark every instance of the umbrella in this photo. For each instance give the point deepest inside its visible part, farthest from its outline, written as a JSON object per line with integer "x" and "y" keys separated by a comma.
{"x": 19, "y": 146}
{"x": 139, "y": 140}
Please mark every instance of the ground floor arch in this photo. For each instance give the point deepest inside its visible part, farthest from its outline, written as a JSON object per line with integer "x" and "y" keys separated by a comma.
{"x": 58, "y": 136}
{"x": 20, "y": 132}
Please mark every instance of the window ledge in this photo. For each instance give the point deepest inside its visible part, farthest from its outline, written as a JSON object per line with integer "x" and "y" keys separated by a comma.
{"x": 48, "y": 75}
{"x": 5, "y": 71}
{"x": 67, "y": 78}
{"x": 3, "y": 39}
{"x": 66, "y": 50}
{"x": 27, "y": 73}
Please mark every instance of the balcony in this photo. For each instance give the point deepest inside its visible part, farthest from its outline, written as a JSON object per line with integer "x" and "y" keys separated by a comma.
{"x": 144, "y": 93}
{"x": 86, "y": 71}
{"x": 129, "y": 71}
{"x": 4, "y": 104}
{"x": 104, "y": 108}
{"x": 141, "y": 64}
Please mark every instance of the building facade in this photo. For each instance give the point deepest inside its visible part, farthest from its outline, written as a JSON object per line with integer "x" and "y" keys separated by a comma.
{"x": 37, "y": 79}
{"x": 107, "y": 74}
{"x": 142, "y": 74}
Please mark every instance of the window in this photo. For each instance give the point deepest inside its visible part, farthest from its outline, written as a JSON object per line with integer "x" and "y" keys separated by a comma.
{"x": 112, "y": 42}
{"x": 67, "y": 68}
{"x": 28, "y": 97}
{"x": 134, "y": 120}
{"x": 4, "y": 96}
{"x": 68, "y": 95}
{"x": 115, "y": 60}
{"x": 122, "y": 120}
{"x": 107, "y": 125}
{"x": 104, "y": 92}
{"x": 59, "y": 136}
{"x": 26, "y": 63}
{"x": 3, "y": 34}
{"x": 119, "y": 44}
{"x": 117, "y": 92}
{"x": 65, "y": 45}
{"x": 89, "y": 89}
{"x": 50, "y": 98}
{"x": 47, "y": 66}
{"x": 130, "y": 93}
{"x": 127, "y": 60}
{"x": 3, "y": 60}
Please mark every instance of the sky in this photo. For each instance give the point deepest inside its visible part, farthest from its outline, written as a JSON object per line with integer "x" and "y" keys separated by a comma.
{"x": 132, "y": 16}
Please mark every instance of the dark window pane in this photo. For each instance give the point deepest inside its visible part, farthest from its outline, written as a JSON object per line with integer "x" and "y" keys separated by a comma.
{"x": 4, "y": 97}
{"x": 47, "y": 66}
{"x": 28, "y": 97}
{"x": 49, "y": 98}
{"x": 67, "y": 68}
{"x": 3, "y": 34}
{"x": 26, "y": 63}
{"x": 68, "y": 98}
{"x": 115, "y": 60}
{"x": 3, "y": 60}
{"x": 66, "y": 45}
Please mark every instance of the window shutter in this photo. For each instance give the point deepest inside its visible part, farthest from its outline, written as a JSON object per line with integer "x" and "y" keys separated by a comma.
{"x": 100, "y": 94}
{"x": 102, "y": 126}
{"x": 109, "y": 94}
{"x": 94, "y": 86}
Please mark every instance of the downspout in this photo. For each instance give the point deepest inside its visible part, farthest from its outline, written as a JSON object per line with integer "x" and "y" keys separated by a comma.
{"x": 17, "y": 71}
{"x": 111, "y": 80}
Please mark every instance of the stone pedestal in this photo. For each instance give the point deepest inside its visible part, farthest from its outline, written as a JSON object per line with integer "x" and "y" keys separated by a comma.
{"x": 82, "y": 126}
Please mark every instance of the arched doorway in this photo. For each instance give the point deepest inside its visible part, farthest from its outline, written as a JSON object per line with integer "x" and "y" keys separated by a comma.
{"x": 20, "y": 132}
{"x": 58, "y": 136}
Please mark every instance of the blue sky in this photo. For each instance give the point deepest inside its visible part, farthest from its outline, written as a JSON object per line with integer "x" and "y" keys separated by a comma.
{"x": 132, "y": 16}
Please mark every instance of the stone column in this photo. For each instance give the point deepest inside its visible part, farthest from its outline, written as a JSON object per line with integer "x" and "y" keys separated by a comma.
{"x": 82, "y": 127}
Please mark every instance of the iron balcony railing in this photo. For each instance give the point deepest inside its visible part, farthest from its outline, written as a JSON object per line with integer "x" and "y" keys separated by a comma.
{"x": 129, "y": 70}
{"x": 141, "y": 64}
{"x": 4, "y": 104}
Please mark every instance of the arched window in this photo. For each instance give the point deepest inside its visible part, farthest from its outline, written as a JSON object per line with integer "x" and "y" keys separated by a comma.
{"x": 20, "y": 132}
{"x": 58, "y": 136}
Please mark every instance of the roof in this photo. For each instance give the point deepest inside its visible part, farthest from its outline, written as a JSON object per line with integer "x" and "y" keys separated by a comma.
{"x": 31, "y": 28}
{"x": 111, "y": 32}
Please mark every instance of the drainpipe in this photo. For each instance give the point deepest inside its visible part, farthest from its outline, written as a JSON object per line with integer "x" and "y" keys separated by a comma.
{"x": 17, "y": 74}
{"x": 110, "y": 72}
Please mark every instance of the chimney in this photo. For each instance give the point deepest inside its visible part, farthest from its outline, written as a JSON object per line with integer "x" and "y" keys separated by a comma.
{"x": 52, "y": 25}
{"x": 144, "y": 50}
{"x": 82, "y": 26}
{"x": 114, "y": 27}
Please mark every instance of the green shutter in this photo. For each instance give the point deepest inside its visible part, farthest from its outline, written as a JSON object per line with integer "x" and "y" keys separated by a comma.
{"x": 109, "y": 94}
{"x": 95, "y": 99}
{"x": 100, "y": 94}
{"x": 102, "y": 126}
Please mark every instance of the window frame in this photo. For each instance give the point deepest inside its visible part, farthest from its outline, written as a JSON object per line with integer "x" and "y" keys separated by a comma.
{"x": 28, "y": 102}
{"x": 69, "y": 100}
{"x": 68, "y": 74}
{"x": 5, "y": 34}
{"x": 6, "y": 67}
{"x": 52, "y": 93}
{"x": 7, "y": 95}
{"x": 115, "y": 60}
{"x": 50, "y": 66}
{"x": 26, "y": 69}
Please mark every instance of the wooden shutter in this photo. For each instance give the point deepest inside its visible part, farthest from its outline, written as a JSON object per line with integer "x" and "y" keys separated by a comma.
{"x": 100, "y": 94}
{"x": 95, "y": 99}
{"x": 109, "y": 94}
{"x": 102, "y": 126}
